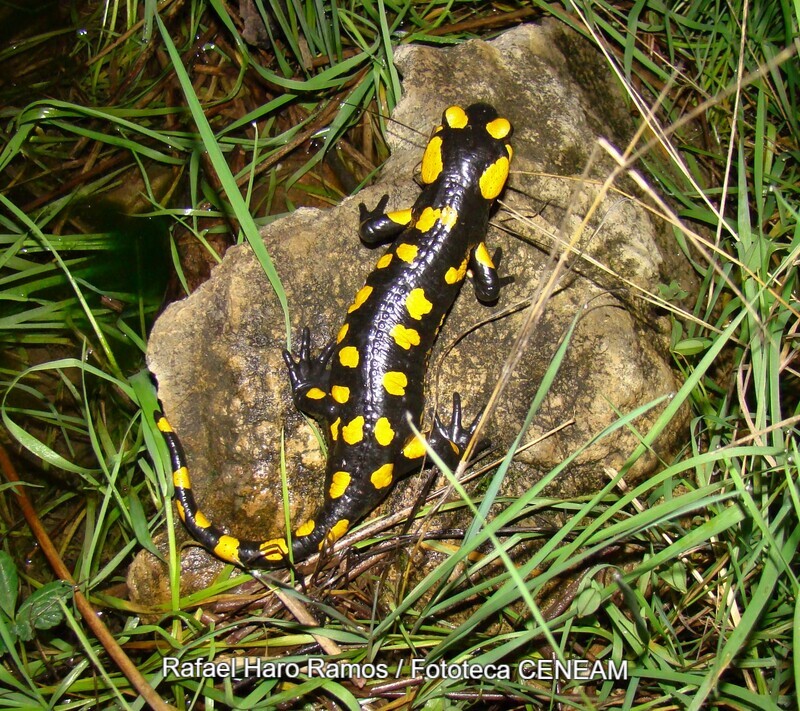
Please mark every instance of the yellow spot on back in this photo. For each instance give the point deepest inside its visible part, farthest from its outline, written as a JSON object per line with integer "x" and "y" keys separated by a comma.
{"x": 335, "y": 428}
{"x": 180, "y": 479}
{"x": 354, "y": 431}
{"x": 510, "y": 151}
{"x": 306, "y": 529}
{"x": 348, "y": 356}
{"x": 395, "y": 382}
{"x": 427, "y": 219}
{"x": 418, "y": 304}
{"x": 401, "y": 217}
{"x": 384, "y": 432}
{"x": 448, "y": 216}
{"x": 274, "y": 549}
{"x": 336, "y": 532}
{"x": 494, "y": 178}
{"x": 227, "y": 548}
{"x": 407, "y": 252}
{"x": 340, "y": 393}
{"x": 339, "y": 484}
{"x": 499, "y": 128}
{"x": 315, "y": 394}
{"x": 482, "y": 256}
{"x": 342, "y": 333}
{"x": 361, "y": 296}
{"x": 163, "y": 425}
{"x": 181, "y": 512}
{"x": 381, "y": 478}
{"x": 432, "y": 160}
{"x": 404, "y": 337}
{"x": 384, "y": 261}
{"x": 455, "y": 117}
{"x": 453, "y": 275}
{"x": 201, "y": 520}
{"x": 414, "y": 449}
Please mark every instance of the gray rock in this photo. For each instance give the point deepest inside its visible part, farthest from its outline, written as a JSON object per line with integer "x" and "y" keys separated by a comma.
{"x": 217, "y": 354}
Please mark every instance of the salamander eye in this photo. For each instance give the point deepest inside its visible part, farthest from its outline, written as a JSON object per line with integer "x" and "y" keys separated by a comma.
{"x": 498, "y": 128}
{"x": 455, "y": 117}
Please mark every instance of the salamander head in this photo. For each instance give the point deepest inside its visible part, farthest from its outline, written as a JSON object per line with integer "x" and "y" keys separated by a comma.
{"x": 470, "y": 147}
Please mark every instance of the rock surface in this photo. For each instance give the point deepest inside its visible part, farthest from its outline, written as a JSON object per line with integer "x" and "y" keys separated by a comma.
{"x": 217, "y": 354}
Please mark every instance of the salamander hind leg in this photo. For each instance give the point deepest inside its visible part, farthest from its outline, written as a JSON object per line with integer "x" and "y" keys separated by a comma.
{"x": 449, "y": 441}
{"x": 484, "y": 274}
{"x": 310, "y": 377}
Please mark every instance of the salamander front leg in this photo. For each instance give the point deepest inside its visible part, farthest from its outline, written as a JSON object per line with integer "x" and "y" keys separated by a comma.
{"x": 450, "y": 441}
{"x": 310, "y": 378}
{"x": 377, "y": 225}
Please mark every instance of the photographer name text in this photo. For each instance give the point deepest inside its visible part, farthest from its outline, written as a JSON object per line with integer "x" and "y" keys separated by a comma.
{"x": 526, "y": 670}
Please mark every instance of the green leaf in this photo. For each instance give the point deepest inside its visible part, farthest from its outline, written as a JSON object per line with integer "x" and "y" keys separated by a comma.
{"x": 9, "y": 584}
{"x": 41, "y": 610}
{"x": 675, "y": 576}
{"x": 138, "y": 520}
{"x": 588, "y": 600}
{"x": 691, "y": 346}
{"x": 672, "y": 291}
{"x": 8, "y": 637}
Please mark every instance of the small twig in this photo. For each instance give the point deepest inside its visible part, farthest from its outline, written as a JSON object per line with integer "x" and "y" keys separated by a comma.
{"x": 502, "y": 19}
{"x": 304, "y": 617}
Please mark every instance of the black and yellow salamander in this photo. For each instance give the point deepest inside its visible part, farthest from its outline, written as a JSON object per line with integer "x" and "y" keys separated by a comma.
{"x": 366, "y": 383}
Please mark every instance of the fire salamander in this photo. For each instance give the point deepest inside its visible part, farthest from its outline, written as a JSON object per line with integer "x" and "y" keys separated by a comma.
{"x": 365, "y": 382}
